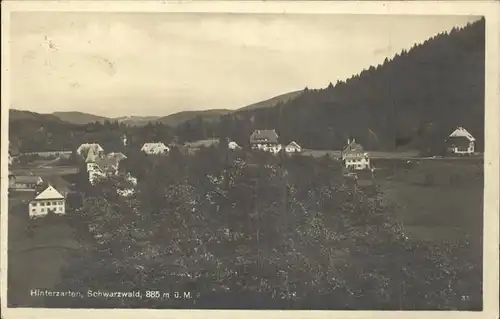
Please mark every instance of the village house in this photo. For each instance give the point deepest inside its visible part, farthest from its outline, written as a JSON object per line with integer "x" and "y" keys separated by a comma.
{"x": 108, "y": 165}
{"x": 354, "y": 157}
{"x": 83, "y": 149}
{"x": 233, "y": 146}
{"x": 49, "y": 200}
{"x": 461, "y": 142}
{"x": 265, "y": 140}
{"x": 154, "y": 148}
{"x": 293, "y": 147}
{"x": 93, "y": 168}
{"x": 98, "y": 167}
{"x": 24, "y": 183}
{"x": 118, "y": 156}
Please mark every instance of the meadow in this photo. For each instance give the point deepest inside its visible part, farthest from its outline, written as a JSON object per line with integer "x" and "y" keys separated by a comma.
{"x": 35, "y": 256}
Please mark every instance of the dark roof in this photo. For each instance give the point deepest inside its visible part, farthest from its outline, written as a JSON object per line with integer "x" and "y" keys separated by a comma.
{"x": 458, "y": 140}
{"x": 268, "y": 136}
{"x": 353, "y": 147}
{"x": 107, "y": 163}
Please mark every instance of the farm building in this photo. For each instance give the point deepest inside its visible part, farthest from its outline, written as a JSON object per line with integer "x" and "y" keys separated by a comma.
{"x": 108, "y": 165}
{"x": 24, "y": 183}
{"x": 83, "y": 149}
{"x": 265, "y": 140}
{"x": 102, "y": 166}
{"x": 293, "y": 147}
{"x": 118, "y": 156}
{"x": 460, "y": 142}
{"x": 49, "y": 200}
{"x": 354, "y": 157}
{"x": 233, "y": 146}
{"x": 154, "y": 148}
{"x": 93, "y": 169}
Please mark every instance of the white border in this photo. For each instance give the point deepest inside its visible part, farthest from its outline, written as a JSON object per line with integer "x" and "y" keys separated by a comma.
{"x": 489, "y": 9}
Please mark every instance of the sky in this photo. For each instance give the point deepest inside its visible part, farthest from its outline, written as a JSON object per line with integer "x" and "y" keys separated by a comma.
{"x": 138, "y": 64}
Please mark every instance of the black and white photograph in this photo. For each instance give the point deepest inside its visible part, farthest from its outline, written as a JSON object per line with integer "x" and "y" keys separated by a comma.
{"x": 249, "y": 160}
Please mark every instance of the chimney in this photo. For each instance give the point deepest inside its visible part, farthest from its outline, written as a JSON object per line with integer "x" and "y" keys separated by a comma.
{"x": 348, "y": 141}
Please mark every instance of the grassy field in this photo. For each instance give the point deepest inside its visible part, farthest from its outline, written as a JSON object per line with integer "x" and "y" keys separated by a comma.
{"x": 373, "y": 154}
{"x": 45, "y": 171}
{"x": 407, "y": 155}
{"x": 447, "y": 209}
{"x": 35, "y": 261}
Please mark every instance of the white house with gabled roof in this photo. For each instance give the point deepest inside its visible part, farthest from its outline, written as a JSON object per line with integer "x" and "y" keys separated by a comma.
{"x": 233, "y": 146}
{"x": 83, "y": 149}
{"x": 155, "y": 148}
{"x": 293, "y": 147}
{"x": 265, "y": 140}
{"x": 461, "y": 142}
{"x": 49, "y": 200}
{"x": 354, "y": 157}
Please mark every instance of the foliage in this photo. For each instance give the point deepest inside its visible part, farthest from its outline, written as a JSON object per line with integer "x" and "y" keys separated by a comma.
{"x": 257, "y": 231}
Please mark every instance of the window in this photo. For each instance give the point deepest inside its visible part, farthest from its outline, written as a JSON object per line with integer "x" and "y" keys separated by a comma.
{"x": 33, "y": 209}
{"x": 54, "y": 203}
{"x": 60, "y": 209}
{"x": 42, "y": 210}
{"x": 42, "y": 204}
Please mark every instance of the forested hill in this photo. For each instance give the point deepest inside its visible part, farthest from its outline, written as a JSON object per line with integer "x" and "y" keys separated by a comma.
{"x": 413, "y": 100}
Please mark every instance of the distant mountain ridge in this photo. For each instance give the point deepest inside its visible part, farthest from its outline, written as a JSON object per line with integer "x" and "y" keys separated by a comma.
{"x": 79, "y": 118}
{"x": 20, "y": 115}
{"x": 211, "y": 115}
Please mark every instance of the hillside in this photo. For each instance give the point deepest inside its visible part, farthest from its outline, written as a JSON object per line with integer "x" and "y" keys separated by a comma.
{"x": 412, "y": 101}
{"x": 18, "y": 115}
{"x": 136, "y": 120}
{"x": 79, "y": 118}
{"x": 283, "y": 98}
{"x": 181, "y": 117}
{"x": 173, "y": 120}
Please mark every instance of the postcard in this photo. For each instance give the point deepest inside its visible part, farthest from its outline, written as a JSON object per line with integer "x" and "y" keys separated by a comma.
{"x": 275, "y": 159}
